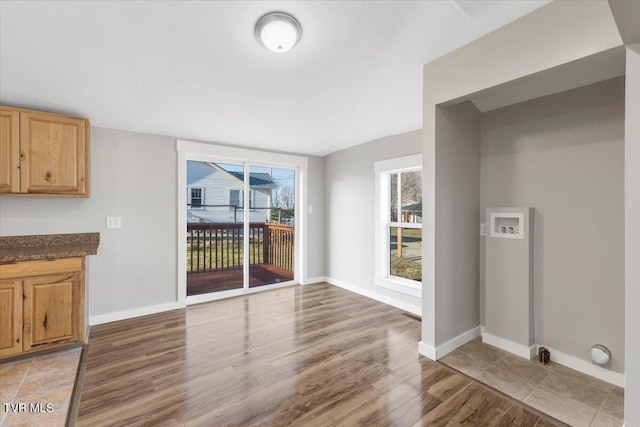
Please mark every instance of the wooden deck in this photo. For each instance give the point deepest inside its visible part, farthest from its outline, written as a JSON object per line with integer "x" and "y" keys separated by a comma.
{"x": 224, "y": 280}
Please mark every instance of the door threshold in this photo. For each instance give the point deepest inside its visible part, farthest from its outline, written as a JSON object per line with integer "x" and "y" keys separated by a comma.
{"x": 214, "y": 296}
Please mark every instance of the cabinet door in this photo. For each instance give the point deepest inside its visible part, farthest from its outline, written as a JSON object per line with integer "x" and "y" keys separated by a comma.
{"x": 9, "y": 151}
{"x": 53, "y": 154}
{"x": 10, "y": 317}
{"x": 50, "y": 310}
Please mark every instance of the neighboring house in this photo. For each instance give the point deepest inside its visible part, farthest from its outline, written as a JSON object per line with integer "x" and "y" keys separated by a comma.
{"x": 412, "y": 212}
{"x": 215, "y": 194}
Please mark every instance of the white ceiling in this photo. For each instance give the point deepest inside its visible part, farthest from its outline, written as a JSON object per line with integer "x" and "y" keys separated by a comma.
{"x": 193, "y": 70}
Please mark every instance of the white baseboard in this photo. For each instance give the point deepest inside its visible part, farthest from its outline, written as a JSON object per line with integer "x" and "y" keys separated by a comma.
{"x": 559, "y": 357}
{"x": 427, "y": 351}
{"x": 510, "y": 346}
{"x": 446, "y": 348}
{"x": 411, "y": 308}
{"x": 460, "y": 340}
{"x": 312, "y": 280}
{"x": 586, "y": 367}
{"x": 135, "y": 312}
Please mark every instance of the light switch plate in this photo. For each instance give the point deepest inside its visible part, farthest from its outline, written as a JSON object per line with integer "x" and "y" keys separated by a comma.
{"x": 113, "y": 222}
{"x": 483, "y": 229}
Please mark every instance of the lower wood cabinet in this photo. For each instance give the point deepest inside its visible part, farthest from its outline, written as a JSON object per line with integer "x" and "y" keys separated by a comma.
{"x": 41, "y": 305}
{"x": 50, "y": 307}
{"x": 10, "y": 317}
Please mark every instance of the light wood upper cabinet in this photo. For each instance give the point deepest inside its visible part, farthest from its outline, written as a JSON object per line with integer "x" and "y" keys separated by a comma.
{"x": 9, "y": 151}
{"x": 10, "y": 317}
{"x": 52, "y": 154}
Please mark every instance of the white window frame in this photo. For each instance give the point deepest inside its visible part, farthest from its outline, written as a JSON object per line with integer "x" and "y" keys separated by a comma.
{"x": 383, "y": 170}
{"x": 202, "y": 203}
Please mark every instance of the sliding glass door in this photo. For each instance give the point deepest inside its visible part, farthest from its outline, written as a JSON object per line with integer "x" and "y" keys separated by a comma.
{"x": 215, "y": 227}
{"x": 240, "y": 227}
{"x": 273, "y": 221}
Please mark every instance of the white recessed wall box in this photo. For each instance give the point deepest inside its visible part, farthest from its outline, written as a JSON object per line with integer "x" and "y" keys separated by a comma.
{"x": 507, "y": 225}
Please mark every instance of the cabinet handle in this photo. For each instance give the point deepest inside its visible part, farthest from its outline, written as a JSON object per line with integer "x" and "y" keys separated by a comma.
{"x": 47, "y": 176}
{"x": 45, "y": 322}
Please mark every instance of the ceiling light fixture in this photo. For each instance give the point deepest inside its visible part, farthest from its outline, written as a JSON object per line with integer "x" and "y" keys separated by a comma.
{"x": 278, "y": 31}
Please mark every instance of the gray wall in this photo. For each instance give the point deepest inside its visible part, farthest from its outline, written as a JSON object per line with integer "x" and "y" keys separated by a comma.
{"x": 546, "y": 38}
{"x": 457, "y": 175}
{"x": 564, "y": 155}
{"x": 632, "y": 241}
{"x": 549, "y": 37}
{"x": 133, "y": 176}
{"x": 316, "y": 236}
{"x": 350, "y": 204}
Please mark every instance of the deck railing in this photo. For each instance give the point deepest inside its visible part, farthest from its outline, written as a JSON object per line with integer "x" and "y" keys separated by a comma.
{"x": 218, "y": 246}
{"x": 278, "y": 245}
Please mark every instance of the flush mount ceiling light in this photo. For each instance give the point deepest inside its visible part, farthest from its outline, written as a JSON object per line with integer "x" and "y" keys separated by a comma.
{"x": 278, "y": 31}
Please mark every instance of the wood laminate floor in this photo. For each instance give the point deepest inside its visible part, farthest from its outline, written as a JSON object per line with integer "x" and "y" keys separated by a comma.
{"x": 305, "y": 356}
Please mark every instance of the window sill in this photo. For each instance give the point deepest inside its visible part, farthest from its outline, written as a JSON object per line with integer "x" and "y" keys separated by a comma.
{"x": 405, "y": 286}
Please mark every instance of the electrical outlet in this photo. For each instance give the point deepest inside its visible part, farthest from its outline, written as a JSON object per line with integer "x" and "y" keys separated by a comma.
{"x": 113, "y": 222}
{"x": 310, "y": 209}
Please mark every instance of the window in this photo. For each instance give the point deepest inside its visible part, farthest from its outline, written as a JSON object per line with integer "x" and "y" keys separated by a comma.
{"x": 236, "y": 198}
{"x": 196, "y": 197}
{"x": 399, "y": 224}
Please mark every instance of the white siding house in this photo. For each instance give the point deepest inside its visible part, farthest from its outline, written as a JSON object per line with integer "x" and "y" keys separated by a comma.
{"x": 215, "y": 194}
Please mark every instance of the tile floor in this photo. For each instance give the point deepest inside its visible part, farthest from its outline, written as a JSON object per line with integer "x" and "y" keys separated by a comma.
{"x": 44, "y": 379}
{"x": 565, "y": 394}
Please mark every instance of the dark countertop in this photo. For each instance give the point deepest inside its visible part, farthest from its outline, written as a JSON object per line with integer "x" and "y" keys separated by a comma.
{"x": 47, "y": 246}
